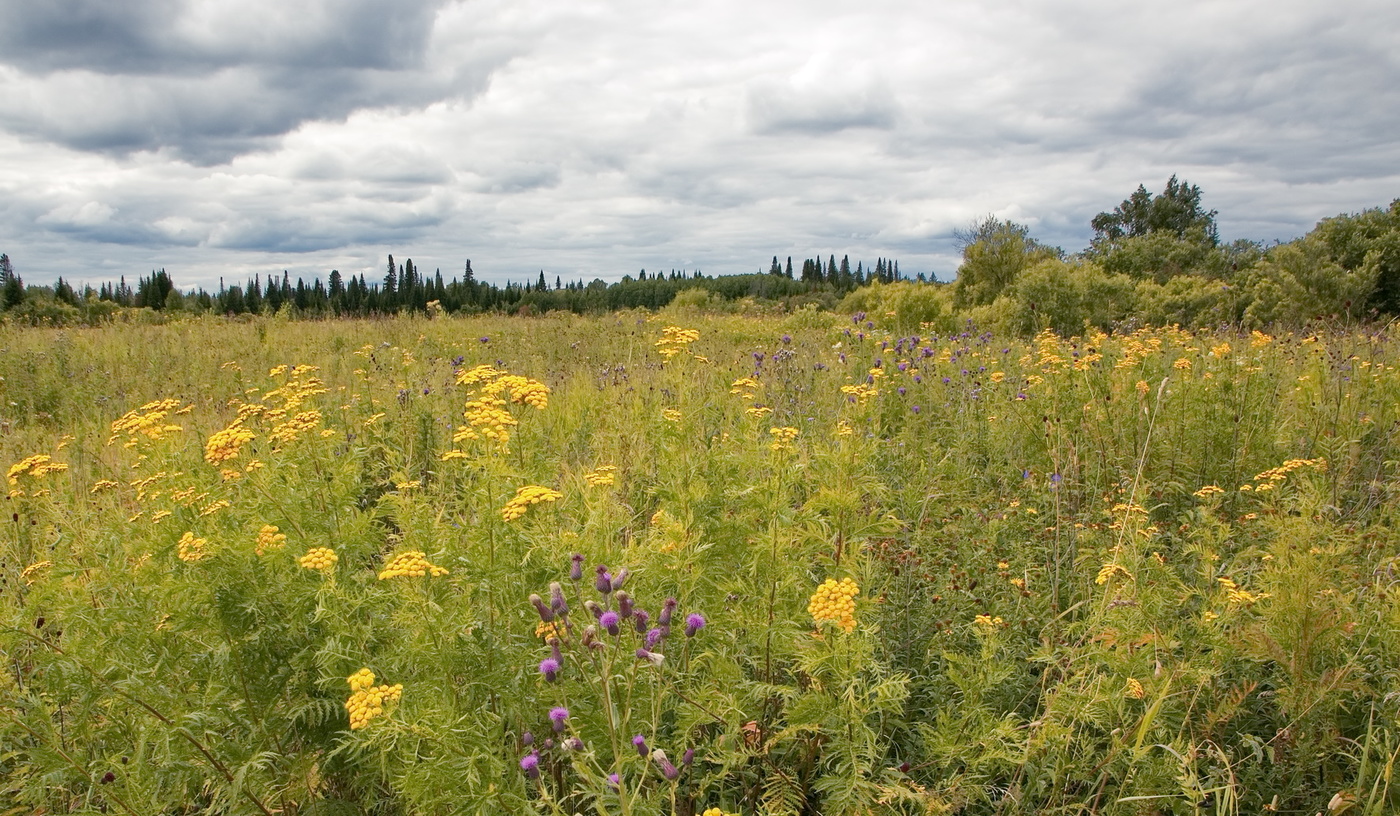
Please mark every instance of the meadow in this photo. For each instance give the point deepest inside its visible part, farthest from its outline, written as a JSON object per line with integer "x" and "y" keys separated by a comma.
{"x": 686, "y": 563}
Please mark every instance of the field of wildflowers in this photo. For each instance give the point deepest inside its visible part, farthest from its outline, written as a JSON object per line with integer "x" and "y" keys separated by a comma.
{"x": 688, "y": 564}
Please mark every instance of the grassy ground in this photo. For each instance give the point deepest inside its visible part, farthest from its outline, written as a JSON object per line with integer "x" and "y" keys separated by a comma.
{"x": 1149, "y": 573}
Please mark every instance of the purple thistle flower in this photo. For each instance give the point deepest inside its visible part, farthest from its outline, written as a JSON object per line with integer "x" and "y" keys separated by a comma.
{"x": 558, "y": 715}
{"x": 901, "y": 390}
{"x": 787, "y": 338}
{"x": 614, "y": 781}
{"x": 688, "y": 757}
{"x": 654, "y": 637}
{"x": 694, "y": 622}
{"x": 609, "y": 621}
{"x": 640, "y": 743}
{"x": 546, "y": 614}
{"x": 485, "y": 339}
{"x": 640, "y": 619}
{"x": 620, "y": 578}
{"x": 916, "y": 409}
{"x": 549, "y": 667}
{"x": 530, "y": 764}
{"x": 576, "y": 568}
{"x": 527, "y": 739}
{"x": 556, "y": 600}
{"x": 603, "y": 582}
{"x": 667, "y": 610}
{"x": 624, "y": 604}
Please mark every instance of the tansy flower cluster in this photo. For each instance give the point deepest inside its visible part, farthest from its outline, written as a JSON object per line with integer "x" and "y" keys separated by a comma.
{"x": 601, "y": 476}
{"x": 30, "y": 574}
{"x": 714, "y": 811}
{"x": 191, "y": 549}
{"x": 1110, "y": 571}
{"x": 675, "y": 340}
{"x": 366, "y": 699}
{"x": 486, "y": 412}
{"x": 1273, "y": 477}
{"x": 226, "y": 444}
{"x": 291, "y": 430}
{"x": 782, "y": 438}
{"x": 1240, "y": 597}
{"x": 526, "y": 496}
{"x": 269, "y": 539}
{"x": 148, "y": 421}
{"x": 39, "y": 465}
{"x": 410, "y": 563}
{"x": 988, "y": 621}
{"x": 319, "y": 558}
{"x": 836, "y": 602}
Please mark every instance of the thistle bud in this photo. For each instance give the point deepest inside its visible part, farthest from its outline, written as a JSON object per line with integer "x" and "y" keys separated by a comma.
{"x": 640, "y": 619}
{"x": 573, "y": 744}
{"x": 624, "y": 604}
{"x": 527, "y": 739}
{"x": 640, "y": 743}
{"x": 688, "y": 757}
{"x": 667, "y": 610}
{"x": 576, "y": 568}
{"x": 594, "y": 609}
{"x": 603, "y": 583}
{"x": 620, "y": 578}
{"x": 671, "y": 772}
{"x": 546, "y": 614}
{"x": 556, "y": 600}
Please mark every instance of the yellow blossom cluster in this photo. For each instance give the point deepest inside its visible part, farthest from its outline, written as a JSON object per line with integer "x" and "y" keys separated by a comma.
{"x": 671, "y": 415}
{"x": 487, "y": 414}
{"x": 190, "y": 548}
{"x": 366, "y": 699}
{"x": 294, "y": 428}
{"x": 675, "y": 340}
{"x": 843, "y": 428}
{"x": 319, "y": 558}
{"x": 1110, "y": 571}
{"x": 1273, "y": 477}
{"x": 526, "y": 496}
{"x": 522, "y": 390}
{"x": 1133, "y": 689}
{"x": 148, "y": 421}
{"x": 601, "y": 476}
{"x": 410, "y": 563}
{"x": 758, "y": 411}
{"x": 487, "y": 418}
{"x": 1208, "y": 491}
{"x": 39, "y": 465}
{"x": 714, "y": 811}
{"x": 545, "y": 631}
{"x": 103, "y": 484}
{"x": 227, "y": 444}
{"x": 1240, "y": 597}
{"x": 782, "y": 438}
{"x": 297, "y": 389}
{"x": 836, "y": 602}
{"x": 988, "y": 621}
{"x": 745, "y": 386}
{"x": 269, "y": 539}
{"x": 860, "y": 391}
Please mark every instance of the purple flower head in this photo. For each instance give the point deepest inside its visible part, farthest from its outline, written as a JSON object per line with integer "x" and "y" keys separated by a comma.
{"x": 758, "y": 355}
{"x": 556, "y": 600}
{"x": 654, "y": 637}
{"x": 546, "y": 614}
{"x": 918, "y": 378}
{"x": 614, "y": 781}
{"x": 654, "y": 658}
{"x": 594, "y": 609}
{"x": 624, "y": 604}
{"x": 558, "y": 716}
{"x": 458, "y": 360}
{"x": 620, "y": 578}
{"x": 603, "y": 582}
{"x": 576, "y": 567}
{"x": 640, "y": 619}
{"x": 640, "y": 743}
{"x": 842, "y": 355}
{"x": 694, "y": 622}
{"x": 554, "y": 650}
{"x": 609, "y": 621}
{"x": 787, "y": 338}
{"x": 902, "y": 366}
{"x": 527, "y": 739}
{"x": 916, "y": 409}
{"x": 688, "y": 757}
{"x": 901, "y": 391}
{"x": 667, "y": 610}
{"x": 530, "y": 764}
{"x": 549, "y": 667}
{"x": 485, "y": 339}
{"x": 671, "y": 772}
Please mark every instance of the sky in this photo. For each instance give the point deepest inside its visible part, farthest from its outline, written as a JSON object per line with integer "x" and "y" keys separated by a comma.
{"x": 219, "y": 139}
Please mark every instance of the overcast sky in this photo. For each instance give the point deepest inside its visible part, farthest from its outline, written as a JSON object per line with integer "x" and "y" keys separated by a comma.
{"x": 592, "y": 139}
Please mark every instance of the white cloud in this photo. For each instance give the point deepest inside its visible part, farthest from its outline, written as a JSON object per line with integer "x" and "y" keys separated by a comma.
{"x": 596, "y": 138}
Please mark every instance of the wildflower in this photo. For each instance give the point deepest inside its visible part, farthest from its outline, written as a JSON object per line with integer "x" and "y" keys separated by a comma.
{"x": 835, "y": 602}
{"x": 614, "y": 781}
{"x": 620, "y": 578}
{"x": 640, "y": 743}
{"x": 366, "y": 699}
{"x": 624, "y": 604}
{"x": 1208, "y": 491}
{"x": 525, "y": 497}
{"x": 191, "y": 549}
{"x": 988, "y": 621}
{"x": 269, "y": 539}
{"x": 601, "y": 476}
{"x": 412, "y": 563}
{"x": 671, "y": 415}
{"x": 675, "y": 340}
{"x": 556, "y": 599}
{"x": 603, "y": 583}
{"x": 693, "y": 623}
{"x": 576, "y": 567}
{"x": 549, "y": 667}
{"x": 558, "y": 716}
{"x": 1109, "y": 571}
{"x": 546, "y": 614}
{"x": 38, "y": 466}
{"x": 640, "y": 619}
{"x": 782, "y": 438}
{"x": 1134, "y": 690}
{"x": 30, "y": 573}
{"x": 319, "y": 558}
{"x": 609, "y": 621}
{"x": 667, "y": 610}
{"x": 654, "y": 637}
{"x": 573, "y": 744}
{"x": 671, "y": 772}
{"x": 530, "y": 764}
{"x": 226, "y": 444}
{"x": 654, "y": 658}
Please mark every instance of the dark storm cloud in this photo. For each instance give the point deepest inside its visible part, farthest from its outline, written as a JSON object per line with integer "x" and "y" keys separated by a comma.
{"x": 208, "y": 81}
